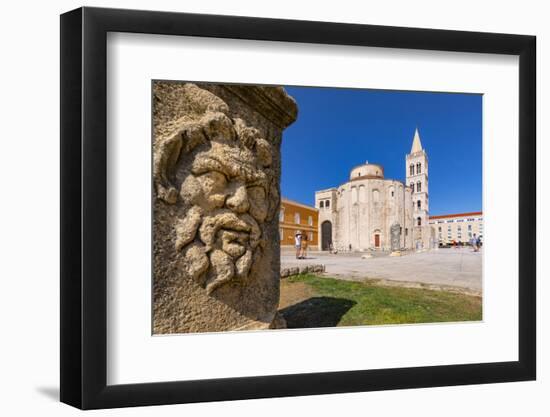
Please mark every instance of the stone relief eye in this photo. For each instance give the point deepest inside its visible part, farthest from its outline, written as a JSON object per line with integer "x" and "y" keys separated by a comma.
{"x": 256, "y": 192}
{"x": 213, "y": 181}
{"x": 258, "y": 202}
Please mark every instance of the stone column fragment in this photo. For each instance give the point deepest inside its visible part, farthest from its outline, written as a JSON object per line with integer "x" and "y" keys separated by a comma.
{"x": 216, "y": 167}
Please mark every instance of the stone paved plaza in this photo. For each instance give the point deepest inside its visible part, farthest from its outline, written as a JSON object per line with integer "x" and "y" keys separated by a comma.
{"x": 460, "y": 268}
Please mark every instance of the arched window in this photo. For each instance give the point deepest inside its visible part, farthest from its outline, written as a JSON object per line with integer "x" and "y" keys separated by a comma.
{"x": 418, "y": 186}
{"x": 282, "y": 215}
{"x": 418, "y": 168}
{"x": 418, "y": 204}
{"x": 327, "y": 203}
{"x": 362, "y": 197}
{"x": 418, "y": 221}
{"x": 322, "y": 204}
{"x": 411, "y": 169}
{"x": 412, "y": 186}
{"x": 297, "y": 218}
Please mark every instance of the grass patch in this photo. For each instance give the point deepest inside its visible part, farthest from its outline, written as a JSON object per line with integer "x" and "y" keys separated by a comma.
{"x": 335, "y": 302}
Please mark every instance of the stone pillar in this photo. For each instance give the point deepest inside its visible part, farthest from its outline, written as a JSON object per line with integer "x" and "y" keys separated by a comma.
{"x": 216, "y": 167}
{"x": 395, "y": 233}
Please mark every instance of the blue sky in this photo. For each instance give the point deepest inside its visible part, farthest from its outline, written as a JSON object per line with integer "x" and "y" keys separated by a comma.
{"x": 337, "y": 129}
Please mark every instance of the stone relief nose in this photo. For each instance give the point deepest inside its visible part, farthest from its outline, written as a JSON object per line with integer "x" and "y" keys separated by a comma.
{"x": 238, "y": 199}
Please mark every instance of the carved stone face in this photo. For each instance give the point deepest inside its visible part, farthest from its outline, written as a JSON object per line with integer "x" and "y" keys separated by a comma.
{"x": 228, "y": 191}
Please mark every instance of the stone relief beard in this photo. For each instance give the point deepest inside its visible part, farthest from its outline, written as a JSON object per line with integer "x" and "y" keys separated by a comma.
{"x": 225, "y": 248}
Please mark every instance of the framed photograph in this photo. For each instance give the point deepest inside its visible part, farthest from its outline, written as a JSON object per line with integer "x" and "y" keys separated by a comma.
{"x": 257, "y": 208}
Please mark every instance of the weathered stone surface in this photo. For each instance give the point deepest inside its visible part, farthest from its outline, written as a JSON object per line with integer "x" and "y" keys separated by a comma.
{"x": 395, "y": 236}
{"x": 216, "y": 167}
{"x": 293, "y": 271}
{"x": 302, "y": 269}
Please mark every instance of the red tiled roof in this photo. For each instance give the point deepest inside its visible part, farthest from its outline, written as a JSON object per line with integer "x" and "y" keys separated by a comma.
{"x": 445, "y": 216}
{"x": 296, "y": 203}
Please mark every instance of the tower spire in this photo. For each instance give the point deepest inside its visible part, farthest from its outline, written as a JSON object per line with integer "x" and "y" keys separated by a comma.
{"x": 416, "y": 145}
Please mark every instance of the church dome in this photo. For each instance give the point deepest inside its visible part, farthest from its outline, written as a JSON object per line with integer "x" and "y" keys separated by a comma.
{"x": 366, "y": 171}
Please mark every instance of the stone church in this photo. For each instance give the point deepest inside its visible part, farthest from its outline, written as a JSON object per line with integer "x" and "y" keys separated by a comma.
{"x": 370, "y": 212}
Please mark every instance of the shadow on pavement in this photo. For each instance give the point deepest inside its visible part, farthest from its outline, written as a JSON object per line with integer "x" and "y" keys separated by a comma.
{"x": 49, "y": 392}
{"x": 316, "y": 312}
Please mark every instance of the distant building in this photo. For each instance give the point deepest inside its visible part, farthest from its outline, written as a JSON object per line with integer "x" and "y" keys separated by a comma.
{"x": 361, "y": 213}
{"x": 458, "y": 227}
{"x": 295, "y": 217}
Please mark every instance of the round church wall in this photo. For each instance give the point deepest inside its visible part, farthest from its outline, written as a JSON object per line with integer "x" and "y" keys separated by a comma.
{"x": 365, "y": 211}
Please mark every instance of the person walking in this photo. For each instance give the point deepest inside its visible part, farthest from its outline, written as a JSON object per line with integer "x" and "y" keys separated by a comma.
{"x": 473, "y": 242}
{"x": 298, "y": 243}
{"x": 303, "y": 253}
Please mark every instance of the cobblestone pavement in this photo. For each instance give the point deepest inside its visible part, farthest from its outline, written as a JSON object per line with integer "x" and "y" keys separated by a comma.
{"x": 442, "y": 267}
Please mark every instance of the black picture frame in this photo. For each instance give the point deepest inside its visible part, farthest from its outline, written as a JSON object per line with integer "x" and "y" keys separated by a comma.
{"x": 84, "y": 207}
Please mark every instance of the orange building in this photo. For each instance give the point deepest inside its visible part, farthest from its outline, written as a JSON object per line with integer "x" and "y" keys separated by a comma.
{"x": 295, "y": 217}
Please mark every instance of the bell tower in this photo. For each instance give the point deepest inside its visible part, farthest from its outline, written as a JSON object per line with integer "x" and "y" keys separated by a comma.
{"x": 416, "y": 166}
